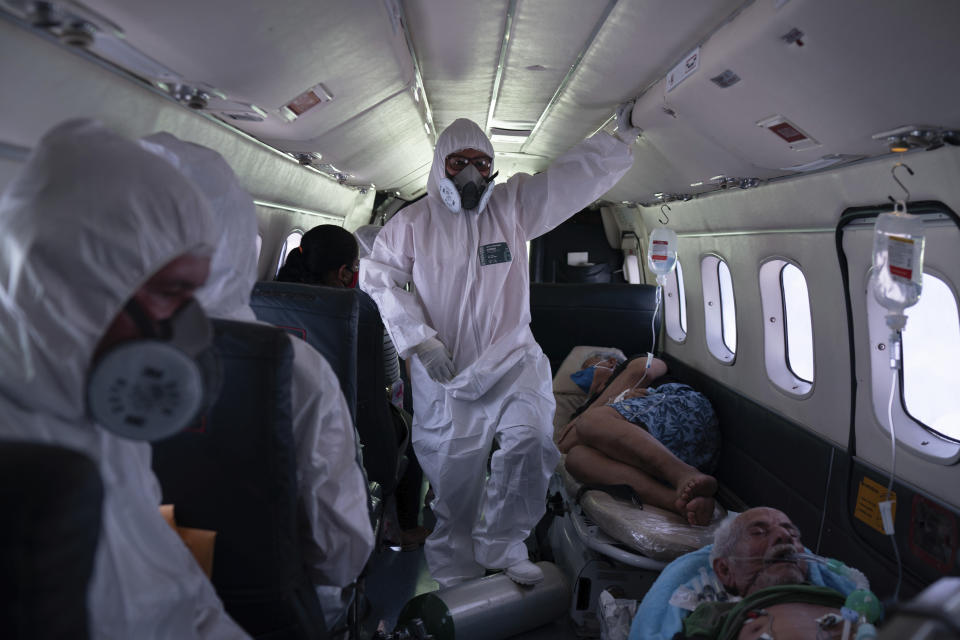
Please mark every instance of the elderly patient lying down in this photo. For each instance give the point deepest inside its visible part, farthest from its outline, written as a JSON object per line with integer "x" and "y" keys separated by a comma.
{"x": 658, "y": 440}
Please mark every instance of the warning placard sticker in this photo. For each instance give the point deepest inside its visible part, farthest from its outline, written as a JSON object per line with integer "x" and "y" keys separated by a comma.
{"x": 869, "y": 496}
{"x": 900, "y": 256}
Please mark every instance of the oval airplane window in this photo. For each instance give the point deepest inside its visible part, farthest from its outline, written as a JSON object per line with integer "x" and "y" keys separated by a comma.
{"x": 675, "y": 306}
{"x": 259, "y": 246}
{"x": 719, "y": 309}
{"x": 728, "y": 308}
{"x": 927, "y": 417}
{"x": 787, "y": 329}
{"x": 931, "y": 348}
{"x": 291, "y": 243}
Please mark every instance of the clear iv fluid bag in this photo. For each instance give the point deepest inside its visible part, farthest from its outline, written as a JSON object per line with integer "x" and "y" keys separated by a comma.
{"x": 897, "y": 261}
{"x": 662, "y": 254}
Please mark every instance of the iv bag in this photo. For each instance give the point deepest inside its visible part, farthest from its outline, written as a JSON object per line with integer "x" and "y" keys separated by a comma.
{"x": 897, "y": 263}
{"x": 662, "y": 254}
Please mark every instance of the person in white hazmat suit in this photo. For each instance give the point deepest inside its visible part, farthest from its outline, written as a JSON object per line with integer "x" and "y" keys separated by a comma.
{"x": 103, "y": 243}
{"x": 336, "y": 537}
{"x": 476, "y": 372}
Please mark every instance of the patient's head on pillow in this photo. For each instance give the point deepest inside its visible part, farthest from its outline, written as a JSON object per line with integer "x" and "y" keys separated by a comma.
{"x": 605, "y": 361}
{"x": 758, "y": 549}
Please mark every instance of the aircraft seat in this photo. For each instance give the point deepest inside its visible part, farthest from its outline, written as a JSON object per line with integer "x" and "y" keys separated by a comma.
{"x": 234, "y": 472}
{"x": 325, "y": 317}
{"x": 50, "y": 498}
{"x": 563, "y": 316}
{"x": 585, "y": 233}
{"x": 344, "y": 325}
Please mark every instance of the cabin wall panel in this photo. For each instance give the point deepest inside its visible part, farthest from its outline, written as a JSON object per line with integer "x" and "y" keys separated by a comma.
{"x": 68, "y": 86}
{"x": 825, "y": 410}
{"x": 813, "y": 202}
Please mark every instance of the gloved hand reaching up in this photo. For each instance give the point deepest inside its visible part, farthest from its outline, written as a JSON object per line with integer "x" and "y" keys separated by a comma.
{"x": 436, "y": 360}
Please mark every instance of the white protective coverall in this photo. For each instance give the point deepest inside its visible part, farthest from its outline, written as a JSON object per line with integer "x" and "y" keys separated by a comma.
{"x": 336, "y": 535}
{"x": 481, "y": 312}
{"x": 89, "y": 219}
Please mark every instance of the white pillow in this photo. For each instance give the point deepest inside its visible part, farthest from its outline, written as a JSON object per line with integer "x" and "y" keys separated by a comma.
{"x": 572, "y": 363}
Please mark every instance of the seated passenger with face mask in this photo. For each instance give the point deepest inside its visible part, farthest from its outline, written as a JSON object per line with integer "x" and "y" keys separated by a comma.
{"x": 659, "y": 440}
{"x": 104, "y": 246}
{"x": 337, "y": 537}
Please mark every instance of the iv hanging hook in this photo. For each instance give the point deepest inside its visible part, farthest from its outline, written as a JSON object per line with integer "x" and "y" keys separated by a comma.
{"x": 893, "y": 172}
{"x": 666, "y": 218}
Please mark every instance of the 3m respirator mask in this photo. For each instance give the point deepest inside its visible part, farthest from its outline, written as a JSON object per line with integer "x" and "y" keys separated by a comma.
{"x": 152, "y": 387}
{"x": 468, "y": 190}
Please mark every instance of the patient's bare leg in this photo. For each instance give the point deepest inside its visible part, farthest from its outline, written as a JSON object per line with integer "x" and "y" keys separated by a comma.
{"x": 586, "y": 464}
{"x": 605, "y": 430}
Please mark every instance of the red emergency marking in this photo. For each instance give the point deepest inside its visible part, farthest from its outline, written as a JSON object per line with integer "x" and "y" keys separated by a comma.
{"x": 900, "y": 271}
{"x": 786, "y": 131}
{"x": 303, "y": 102}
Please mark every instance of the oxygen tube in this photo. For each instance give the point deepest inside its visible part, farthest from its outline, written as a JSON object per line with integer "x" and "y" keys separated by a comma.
{"x": 896, "y": 281}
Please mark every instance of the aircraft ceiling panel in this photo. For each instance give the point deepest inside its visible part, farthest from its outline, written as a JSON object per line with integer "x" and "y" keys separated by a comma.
{"x": 638, "y": 43}
{"x": 845, "y": 83}
{"x": 458, "y": 46}
{"x": 380, "y": 146}
{"x": 545, "y": 41}
{"x": 269, "y": 53}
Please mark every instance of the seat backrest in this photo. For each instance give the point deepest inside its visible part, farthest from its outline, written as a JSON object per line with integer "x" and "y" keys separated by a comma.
{"x": 50, "y": 498}
{"x": 582, "y": 234}
{"x": 564, "y": 316}
{"x": 325, "y": 317}
{"x": 234, "y": 472}
{"x": 344, "y": 325}
{"x": 375, "y": 422}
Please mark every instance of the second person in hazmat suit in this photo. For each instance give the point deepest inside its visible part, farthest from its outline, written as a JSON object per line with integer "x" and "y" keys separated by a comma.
{"x": 103, "y": 247}
{"x": 476, "y": 372}
{"x": 336, "y": 534}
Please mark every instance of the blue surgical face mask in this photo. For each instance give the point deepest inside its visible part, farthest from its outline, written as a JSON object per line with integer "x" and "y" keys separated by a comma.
{"x": 583, "y": 378}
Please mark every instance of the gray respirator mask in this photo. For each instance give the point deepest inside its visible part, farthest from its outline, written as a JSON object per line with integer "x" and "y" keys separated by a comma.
{"x": 155, "y": 386}
{"x": 468, "y": 190}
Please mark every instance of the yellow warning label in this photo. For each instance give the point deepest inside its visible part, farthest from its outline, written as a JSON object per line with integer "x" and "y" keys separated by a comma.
{"x": 869, "y": 496}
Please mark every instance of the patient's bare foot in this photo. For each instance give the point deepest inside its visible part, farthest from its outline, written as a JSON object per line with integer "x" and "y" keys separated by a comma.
{"x": 695, "y": 498}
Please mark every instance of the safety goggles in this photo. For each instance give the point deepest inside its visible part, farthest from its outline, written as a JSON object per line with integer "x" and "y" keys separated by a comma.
{"x": 458, "y": 163}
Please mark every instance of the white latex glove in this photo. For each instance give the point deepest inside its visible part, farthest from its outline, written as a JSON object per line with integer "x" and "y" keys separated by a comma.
{"x": 625, "y": 129}
{"x": 436, "y": 360}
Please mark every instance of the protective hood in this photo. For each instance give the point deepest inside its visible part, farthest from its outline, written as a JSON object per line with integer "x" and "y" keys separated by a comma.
{"x": 461, "y": 134}
{"x": 88, "y": 220}
{"x": 233, "y": 268}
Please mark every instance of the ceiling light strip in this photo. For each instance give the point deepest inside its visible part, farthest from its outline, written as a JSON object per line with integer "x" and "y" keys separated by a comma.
{"x": 501, "y": 63}
{"x": 309, "y": 212}
{"x": 753, "y": 232}
{"x": 573, "y": 68}
{"x": 416, "y": 70}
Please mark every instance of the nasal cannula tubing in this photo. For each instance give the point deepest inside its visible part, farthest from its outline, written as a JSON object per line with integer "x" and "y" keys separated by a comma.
{"x": 837, "y": 567}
